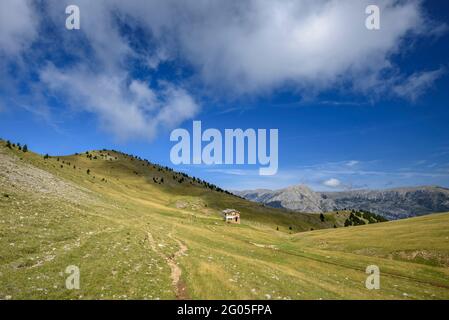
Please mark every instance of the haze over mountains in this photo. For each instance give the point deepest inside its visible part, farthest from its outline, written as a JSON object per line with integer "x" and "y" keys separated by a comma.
{"x": 393, "y": 204}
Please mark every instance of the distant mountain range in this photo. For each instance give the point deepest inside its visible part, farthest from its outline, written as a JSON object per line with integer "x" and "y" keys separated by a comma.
{"x": 393, "y": 204}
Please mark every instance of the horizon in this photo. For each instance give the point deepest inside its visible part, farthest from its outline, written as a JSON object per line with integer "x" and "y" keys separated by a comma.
{"x": 231, "y": 190}
{"x": 348, "y": 190}
{"x": 371, "y": 118}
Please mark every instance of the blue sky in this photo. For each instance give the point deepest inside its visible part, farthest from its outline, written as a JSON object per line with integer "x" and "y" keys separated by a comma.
{"x": 354, "y": 108}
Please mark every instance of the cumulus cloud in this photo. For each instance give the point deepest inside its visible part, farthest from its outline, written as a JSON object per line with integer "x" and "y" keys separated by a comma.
{"x": 255, "y": 46}
{"x": 127, "y": 110}
{"x": 17, "y": 26}
{"x": 238, "y": 47}
{"x": 99, "y": 82}
{"x": 332, "y": 183}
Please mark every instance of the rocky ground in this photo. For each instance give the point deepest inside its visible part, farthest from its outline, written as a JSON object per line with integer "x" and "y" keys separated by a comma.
{"x": 393, "y": 204}
{"x": 18, "y": 176}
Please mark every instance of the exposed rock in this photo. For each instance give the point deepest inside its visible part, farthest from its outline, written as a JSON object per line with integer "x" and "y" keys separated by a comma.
{"x": 392, "y": 203}
{"x": 19, "y": 175}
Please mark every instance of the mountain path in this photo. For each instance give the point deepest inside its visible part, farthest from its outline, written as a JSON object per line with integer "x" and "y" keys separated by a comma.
{"x": 175, "y": 271}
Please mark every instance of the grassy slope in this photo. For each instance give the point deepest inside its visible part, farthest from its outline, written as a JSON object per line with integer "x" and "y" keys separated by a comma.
{"x": 123, "y": 234}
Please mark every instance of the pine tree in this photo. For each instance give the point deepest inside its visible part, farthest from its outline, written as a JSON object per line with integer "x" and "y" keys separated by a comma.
{"x": 25, "y": 148}
{"x": 8, "y": 144}
{"x": 322, "y": 217}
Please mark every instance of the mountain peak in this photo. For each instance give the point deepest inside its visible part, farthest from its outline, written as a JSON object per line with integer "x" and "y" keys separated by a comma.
{"x": 394, "y": 203}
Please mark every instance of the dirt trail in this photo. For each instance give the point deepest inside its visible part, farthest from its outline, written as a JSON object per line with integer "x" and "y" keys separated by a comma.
{"x": 176, "y": 271}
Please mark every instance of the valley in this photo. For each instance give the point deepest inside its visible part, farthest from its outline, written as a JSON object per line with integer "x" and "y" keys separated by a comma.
{"x": 140, "y": 231}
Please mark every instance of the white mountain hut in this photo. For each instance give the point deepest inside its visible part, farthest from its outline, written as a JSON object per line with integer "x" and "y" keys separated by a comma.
{"x": 231, "y": 216}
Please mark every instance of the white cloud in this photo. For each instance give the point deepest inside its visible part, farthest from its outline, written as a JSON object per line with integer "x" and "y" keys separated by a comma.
{"x": 333, "y": 183}
{"x": 17, "y": 26}
{"x": 127, "y": 111}
{"x": 237, "y": 47}
{"x": 415, "y": 85}
{"x": 352, "y": 163}
{"x": 256, "y": 46}
{"x": 100, "y": 82}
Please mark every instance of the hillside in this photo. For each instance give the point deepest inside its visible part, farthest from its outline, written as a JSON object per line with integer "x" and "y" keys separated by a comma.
{"x": 298, "y": 198}
{"x": 140, "y": 231}
{"x": 393, "y": 204}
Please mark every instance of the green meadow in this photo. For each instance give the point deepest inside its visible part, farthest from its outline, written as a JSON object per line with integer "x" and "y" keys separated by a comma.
{"x": 140, "y": 231}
